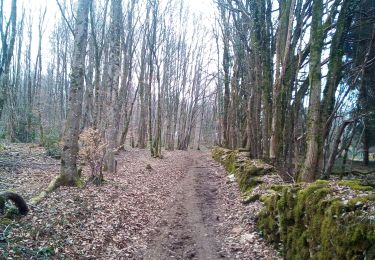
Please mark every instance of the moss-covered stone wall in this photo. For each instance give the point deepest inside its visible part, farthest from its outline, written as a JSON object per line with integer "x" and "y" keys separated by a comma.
{"x": 248, "y": 172}
{"x": 321, "y": 220}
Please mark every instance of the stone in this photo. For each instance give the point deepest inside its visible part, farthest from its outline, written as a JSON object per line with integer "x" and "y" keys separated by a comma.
{"x": 231, "y": 178}
{"x": 247, "y": 237}
{"x": 237, "y": 230}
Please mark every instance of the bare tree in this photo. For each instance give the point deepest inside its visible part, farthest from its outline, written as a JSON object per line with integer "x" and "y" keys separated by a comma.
{"x": 114, "y": 70}
{"x": 69, "y": 174}
{"x": 8, "y": 37}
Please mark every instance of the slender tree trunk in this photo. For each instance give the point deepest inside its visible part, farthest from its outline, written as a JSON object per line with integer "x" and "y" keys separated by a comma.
{"x": 127, "y": 121}
{"x": 114, "y": 77}
{"x": 334, "y": 148}
{"x": 142, "y": 125}
{"x": 157, "y": 142}
{"x": 7, "y": 51}
{"x": 201, "y": 121}
{"x": 69, "y": 173}
{"x": 335, "y": 64}
{"x": 151, "y": 73}
{"x": 314, "y": 142}
{"x": 226, "y": 64}
{"x": 283, "y": 52}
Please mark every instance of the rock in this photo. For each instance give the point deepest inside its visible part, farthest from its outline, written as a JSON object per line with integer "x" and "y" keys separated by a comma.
{"x": 231, "y": 178}
{"x": 359, "y": 204}
{"x": 234, "y": 247}
{"x": 237, "y": 230}
{"x": 247, "y": 237}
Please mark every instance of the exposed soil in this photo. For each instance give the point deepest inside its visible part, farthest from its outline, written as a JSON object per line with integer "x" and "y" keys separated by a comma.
{"x": 187, "y": 227}
{"x": 184, "y": 207}
{"x": 206, "y": 220}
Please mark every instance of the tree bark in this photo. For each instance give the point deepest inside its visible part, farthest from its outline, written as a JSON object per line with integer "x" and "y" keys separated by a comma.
{"x": 314, "y": 142}
{"x": 113, "y": 80}
{"x": 283, "y": 51}
{"x": 7, "y": 50}
{"x": 69, "y": 173}
{"x": 334, "y": 148}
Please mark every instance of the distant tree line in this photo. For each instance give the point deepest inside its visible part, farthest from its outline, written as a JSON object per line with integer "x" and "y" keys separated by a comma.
{"x": 136, "y": 71}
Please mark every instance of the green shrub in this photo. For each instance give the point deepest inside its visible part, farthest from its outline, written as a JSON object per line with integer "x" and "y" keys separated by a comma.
{"x": 26, "y": 129}
{"x": 52, "y": 144}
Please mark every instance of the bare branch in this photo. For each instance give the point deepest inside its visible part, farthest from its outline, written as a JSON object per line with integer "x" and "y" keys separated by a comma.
{"x": 66, "y": 20}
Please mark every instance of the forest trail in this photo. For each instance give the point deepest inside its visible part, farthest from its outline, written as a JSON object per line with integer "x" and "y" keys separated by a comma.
{"x": 206, "y": 219}
{"x": 188, "y": 226}
{"x": 180, "y": 207}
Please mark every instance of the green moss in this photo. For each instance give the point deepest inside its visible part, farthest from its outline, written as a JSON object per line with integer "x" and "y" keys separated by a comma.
{"x": 320, "y": 183}
{"x": 314, "y": 222}
{"x": 226, "y": 157}
{"x": 307, "y": 221}
{"x": 229, "y": 162}
{"x": 249, "y": 168}
{"x": 278, "y": 188}
{"x": 80, "y": 183}
{"x": 56, "y": 182}
{"x": 247, "y": 172}
{"x": 35, "y": 200}
{"x": 217, "y": 153}
{"x": 348, "y": 231}
{"x": 355, "y": 185}
{"x": 250, "y": 198}
{"x": 5, "y": 221}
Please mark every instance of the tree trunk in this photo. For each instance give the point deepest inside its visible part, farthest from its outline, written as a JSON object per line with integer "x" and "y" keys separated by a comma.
{"x": 226, "y": 63}
{"x": 7, "y": 51}
{"x": 113, "y": 79}
{"x": 334, "y": 148}
{"x": 69, "y": 173}
{"x": 152, "y": 51}
{"x": 314, "y": 142}
{"x": 283, "y": 52}
{"x": 142, "y": 126}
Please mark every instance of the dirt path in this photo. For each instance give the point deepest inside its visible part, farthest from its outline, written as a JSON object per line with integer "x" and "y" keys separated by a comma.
{"x": 184, "y": 207}
{"x": 187, "y": 230}
{"x": 206, "y": 219}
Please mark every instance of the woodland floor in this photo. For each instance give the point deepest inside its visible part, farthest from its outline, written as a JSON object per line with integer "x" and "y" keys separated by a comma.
{"x": 183, "y": 208}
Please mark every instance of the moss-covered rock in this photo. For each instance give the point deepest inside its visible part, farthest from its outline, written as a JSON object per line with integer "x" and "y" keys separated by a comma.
{"x": 319, "y": 221}
{"x": 218, "y": 152}
{"x": 248, "y": 172}
{"x": 355, "y": 185}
